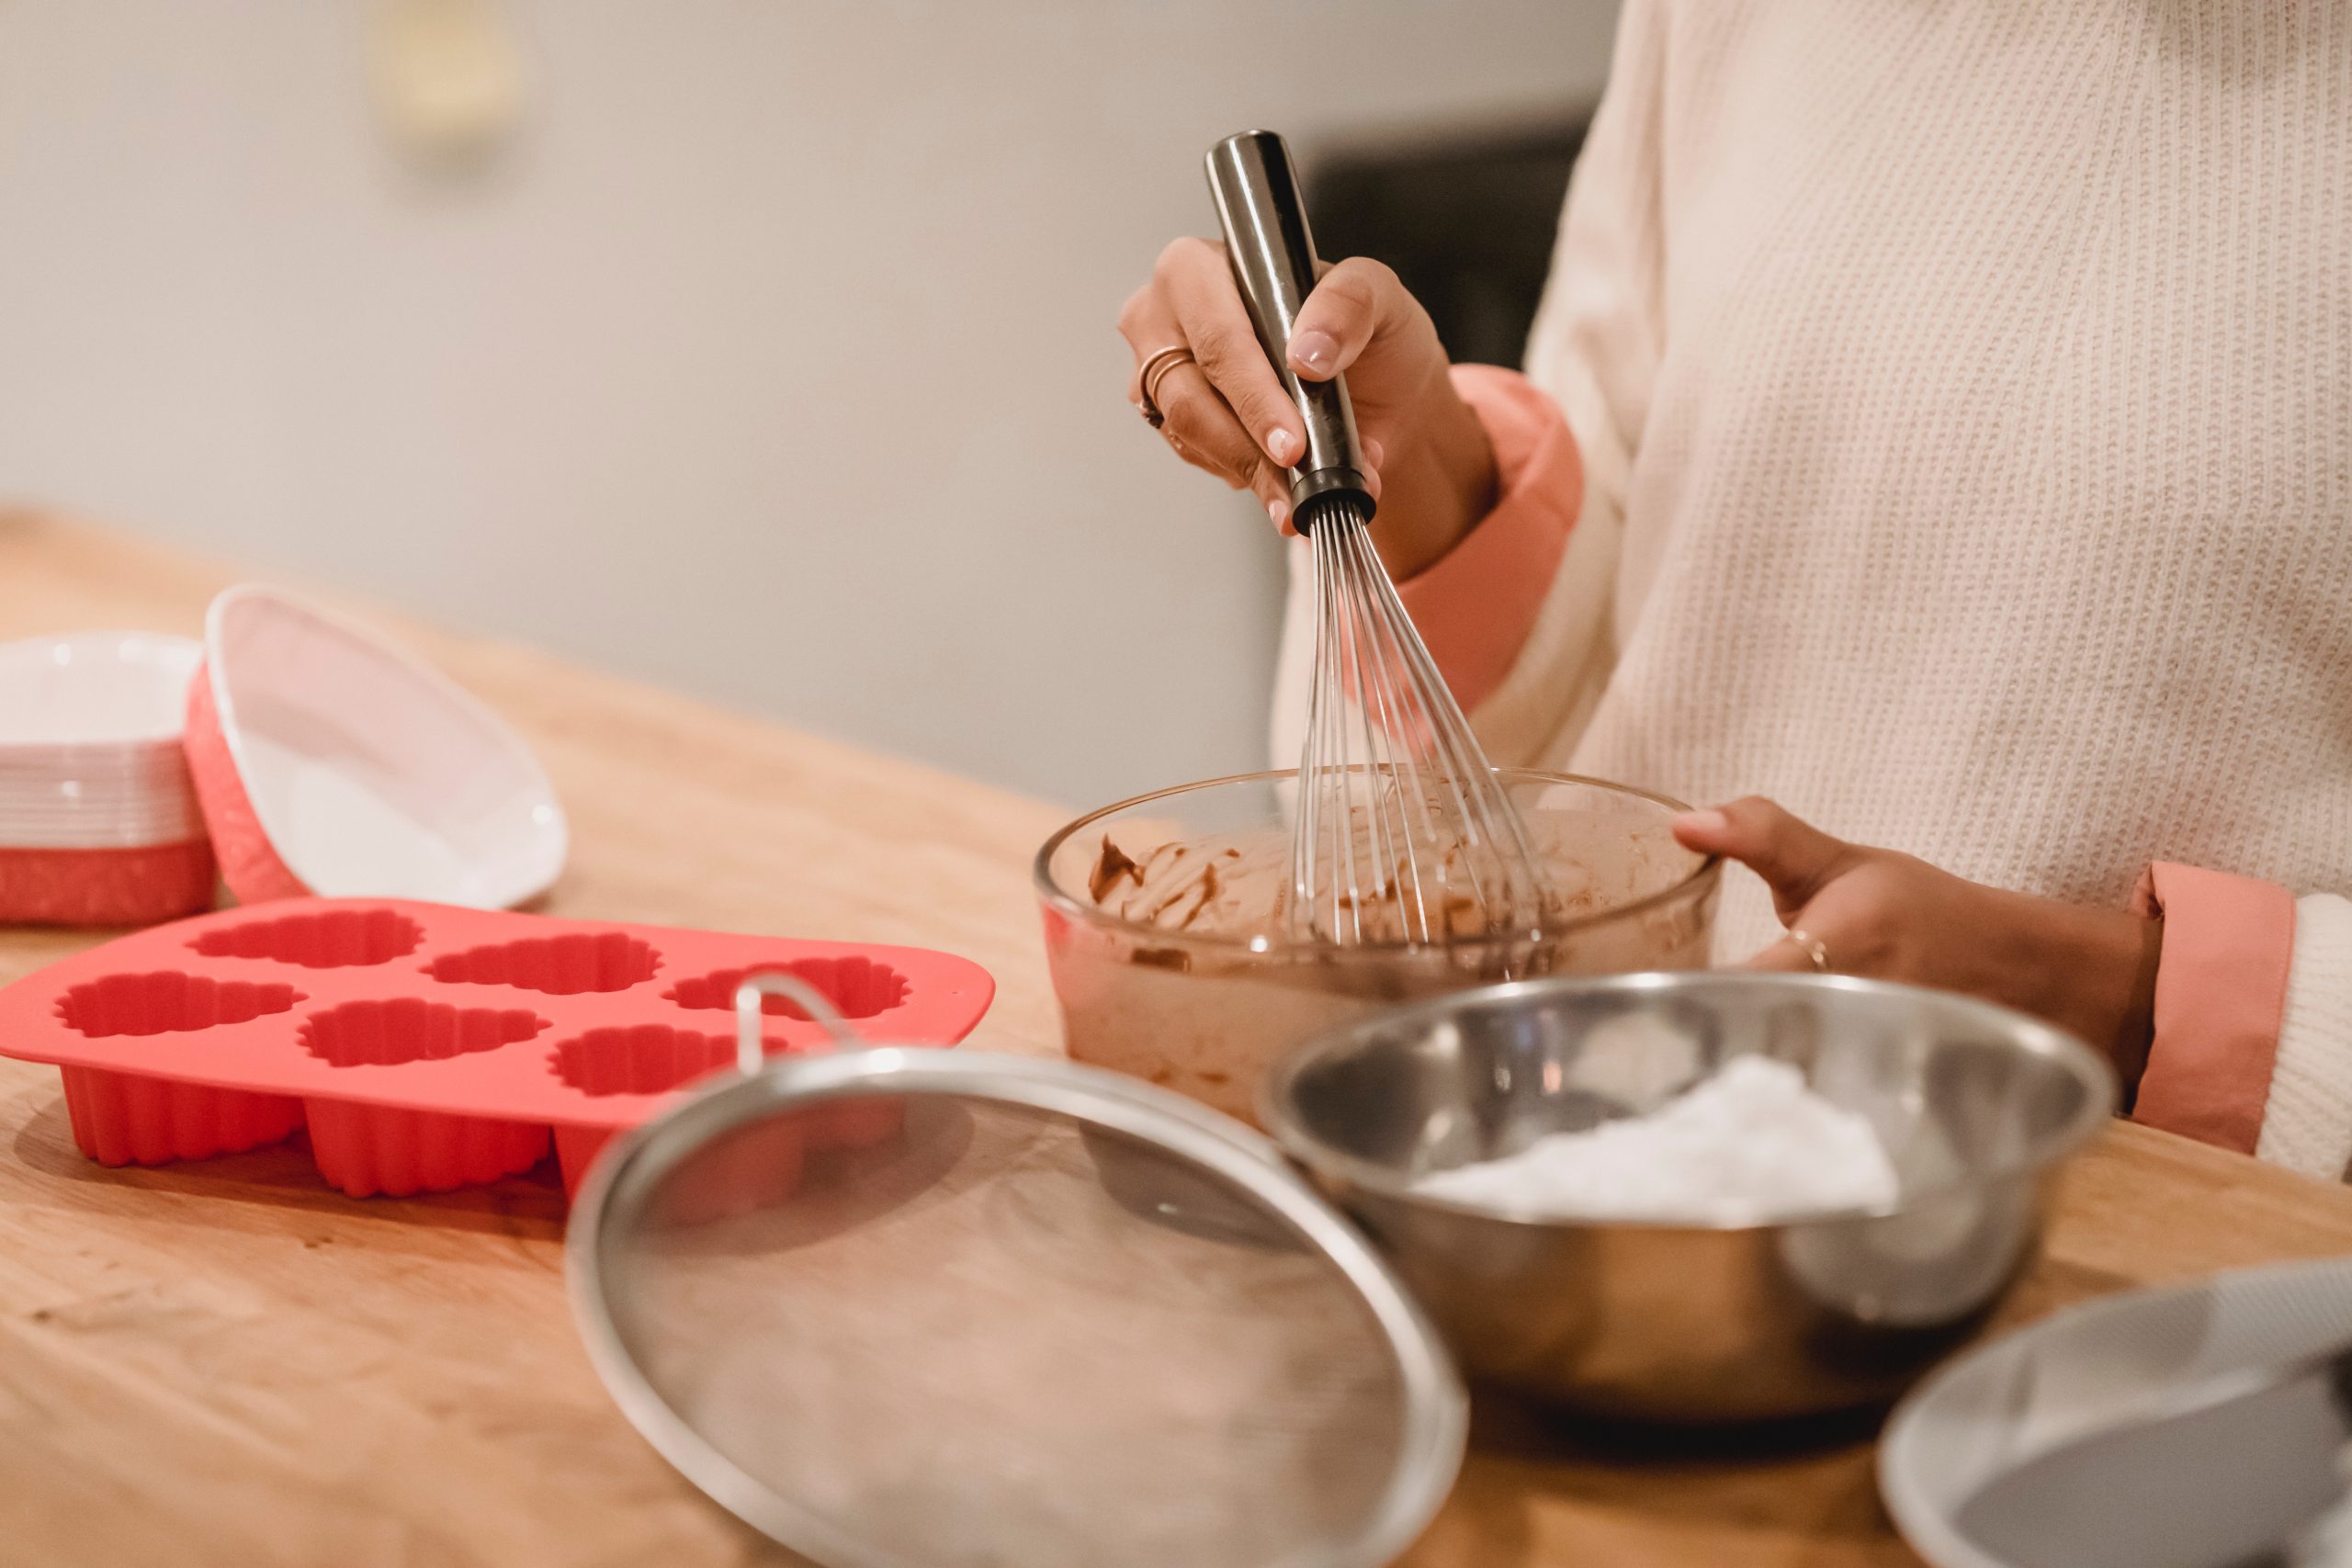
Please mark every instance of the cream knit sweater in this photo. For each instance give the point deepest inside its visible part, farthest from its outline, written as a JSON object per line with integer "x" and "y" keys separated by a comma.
{"x": 1964, "y": 391}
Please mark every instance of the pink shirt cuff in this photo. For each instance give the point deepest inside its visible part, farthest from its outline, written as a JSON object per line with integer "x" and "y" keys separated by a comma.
{"x": 2221, "y": 993}
{"x": 1477, "y": 605}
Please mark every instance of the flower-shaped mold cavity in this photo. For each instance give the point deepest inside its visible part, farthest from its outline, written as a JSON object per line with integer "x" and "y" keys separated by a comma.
{"x": 859, "y": 986}
{"x": 409, "y": 1029}
{"x": 559, "y": 965}
{"x": 331, "y": 938}
{"x": 168, "y": 1002}
{"x": 644, "y": 1058}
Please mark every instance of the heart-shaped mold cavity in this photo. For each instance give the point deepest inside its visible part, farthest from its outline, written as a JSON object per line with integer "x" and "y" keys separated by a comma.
{"x": 131, "y": 1118}
{"x": 643, "y": 1058}
{"x": 858, "y": 987}
{"x": 409, "y": 1029}
{"x": 559, "y": 965}
{"x": 368, "y": 1151}
{"x": 169, "y": 1002}
{"x": 330, "y": 939}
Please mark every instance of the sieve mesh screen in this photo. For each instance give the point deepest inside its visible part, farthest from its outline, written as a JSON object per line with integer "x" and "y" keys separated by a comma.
{"x": 953, "y": 1330}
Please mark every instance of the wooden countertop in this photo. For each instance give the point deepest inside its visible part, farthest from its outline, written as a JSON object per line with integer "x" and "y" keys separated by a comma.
{"x": 228, "y": 1362}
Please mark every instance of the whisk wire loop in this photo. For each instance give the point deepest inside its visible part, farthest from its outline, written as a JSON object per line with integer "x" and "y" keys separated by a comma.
{"x": 1387, "y": 625}
{"x": 1385, "y": 717}
{"x": 1402, "y": 832}
{"x": 1488, "y": 811}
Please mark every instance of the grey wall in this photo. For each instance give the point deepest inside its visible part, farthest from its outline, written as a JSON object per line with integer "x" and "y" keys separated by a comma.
{"x": 773, "y": 359}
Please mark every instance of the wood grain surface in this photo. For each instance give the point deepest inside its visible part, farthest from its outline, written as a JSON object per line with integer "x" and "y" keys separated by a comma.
{"x": 227, "y": 1363}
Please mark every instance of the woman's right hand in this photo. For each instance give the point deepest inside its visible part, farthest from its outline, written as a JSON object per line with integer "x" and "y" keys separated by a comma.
{"x": 1225, "y": 410}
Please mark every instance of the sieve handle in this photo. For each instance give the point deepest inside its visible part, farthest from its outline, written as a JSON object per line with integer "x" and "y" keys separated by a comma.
{"x": 1266, "y": 239}
{"x": 751, "y": 1052}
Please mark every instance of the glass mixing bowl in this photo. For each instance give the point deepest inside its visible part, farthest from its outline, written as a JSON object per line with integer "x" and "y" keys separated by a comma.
{"x": 1206, "y": 1011}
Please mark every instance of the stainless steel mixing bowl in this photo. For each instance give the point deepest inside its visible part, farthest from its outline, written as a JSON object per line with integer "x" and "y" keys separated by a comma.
{"x": 1732, "y": 1316}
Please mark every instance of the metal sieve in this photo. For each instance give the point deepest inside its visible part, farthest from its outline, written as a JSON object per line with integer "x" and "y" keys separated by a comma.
{"x": 898, "y": 1306}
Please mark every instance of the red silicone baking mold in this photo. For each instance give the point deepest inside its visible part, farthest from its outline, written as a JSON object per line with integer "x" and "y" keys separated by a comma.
{"x": 429, "y": 1047}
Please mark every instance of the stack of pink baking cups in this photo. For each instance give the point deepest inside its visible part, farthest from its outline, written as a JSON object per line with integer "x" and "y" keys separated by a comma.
{"x": 288, "y": 755}
{"x": 100, "y": 823}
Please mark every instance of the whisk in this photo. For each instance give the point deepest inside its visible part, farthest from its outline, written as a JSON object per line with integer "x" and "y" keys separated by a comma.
{"x": 1401, "y": 832}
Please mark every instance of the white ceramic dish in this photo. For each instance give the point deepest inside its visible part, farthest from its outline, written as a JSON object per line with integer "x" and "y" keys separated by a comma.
{"x": 104, "y": 690}
{"x": 103, "y": 830}
{"x": 90, "y": 730}
{"x": 331, "y": 763}
{"x": 2095, "y": 1366}
{"x": 129, "y": 768}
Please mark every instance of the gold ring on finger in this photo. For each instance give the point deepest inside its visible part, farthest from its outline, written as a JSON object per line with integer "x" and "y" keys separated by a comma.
{"x": 1154, "y": 371}
{"x": 1810, "y": 945}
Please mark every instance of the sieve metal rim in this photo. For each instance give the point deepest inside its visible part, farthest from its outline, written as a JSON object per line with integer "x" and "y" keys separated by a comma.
{"x": 1436, "y": 1406}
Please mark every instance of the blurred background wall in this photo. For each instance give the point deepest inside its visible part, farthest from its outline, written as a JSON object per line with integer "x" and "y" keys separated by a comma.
{"x": 767, "y": 352}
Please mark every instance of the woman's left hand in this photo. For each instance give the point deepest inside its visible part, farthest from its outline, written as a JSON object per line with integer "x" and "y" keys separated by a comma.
{"x": 1875, "y": 912}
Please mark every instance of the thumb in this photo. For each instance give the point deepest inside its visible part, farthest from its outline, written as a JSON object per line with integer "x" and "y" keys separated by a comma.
{"x": 1339, "y": 319}
{"x": 1795, "y": 859}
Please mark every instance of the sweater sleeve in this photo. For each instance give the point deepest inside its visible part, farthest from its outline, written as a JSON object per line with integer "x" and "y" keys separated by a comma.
{"x": 1475, "y": 606}
{"x": 2220, "y": 996}
{"x": 1592, "y": 352}
{"x": 2252, "y": 1047}
{"x": 1594, "y": 348}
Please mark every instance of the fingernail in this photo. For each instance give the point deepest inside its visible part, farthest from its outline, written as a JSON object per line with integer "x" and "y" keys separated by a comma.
{"x": 1282, "y": 446}
{"x": 1314, "y": 351}
{"x": 1375, "y": 453}
{"x": 1707, "y": 824}
{"x": 1279, "y": 510}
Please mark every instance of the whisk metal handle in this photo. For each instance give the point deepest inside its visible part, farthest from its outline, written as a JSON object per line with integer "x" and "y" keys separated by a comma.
{"x": 1266, "y": 238}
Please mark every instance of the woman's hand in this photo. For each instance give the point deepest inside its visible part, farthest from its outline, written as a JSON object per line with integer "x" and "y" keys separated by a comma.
{"x": 1226, "y": 409}
{"x": 2089, "y": 971}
